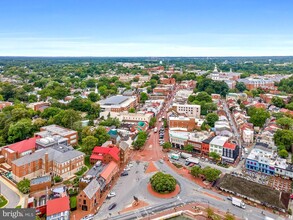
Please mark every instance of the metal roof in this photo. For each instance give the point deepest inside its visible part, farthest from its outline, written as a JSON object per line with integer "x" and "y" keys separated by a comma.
{"x": 114, "y": 100}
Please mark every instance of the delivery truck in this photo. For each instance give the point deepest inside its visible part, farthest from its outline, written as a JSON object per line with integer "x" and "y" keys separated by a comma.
{"x": 191, "y": 160}
{"x": 238, "y": 202}
{"x": 175, "y": 156}
{"x": 185, "y": 155}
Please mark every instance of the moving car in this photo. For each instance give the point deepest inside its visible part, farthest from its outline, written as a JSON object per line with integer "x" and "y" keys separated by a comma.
{"x": 112, "y": 206}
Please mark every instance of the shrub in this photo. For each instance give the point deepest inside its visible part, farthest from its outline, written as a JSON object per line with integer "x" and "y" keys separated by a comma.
{"x": 72, "y": 202}
{"x": 57, "y": 179}
{"x": 163, "y": 183}
{"x": 24, "y": 186}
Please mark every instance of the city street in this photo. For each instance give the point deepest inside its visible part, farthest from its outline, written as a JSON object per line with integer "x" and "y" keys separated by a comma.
{"x": 12, "y": 197}
{"x": 135, "y": 185}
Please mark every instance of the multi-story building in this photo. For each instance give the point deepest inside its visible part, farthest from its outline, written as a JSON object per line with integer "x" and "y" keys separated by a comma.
{"x": 261, "y": 160}
{"x": 58, "y": 209}
{"x": 236, "y": 96}
{"x": 129, "y": 117}
{"x": 18, "y": 150}
{"x": 188, "y": 110}
{"x": 59, "y": 160}
{"x": 105, "y": 154}
{"x": 39, "y": 106}
{"x": 268, "y": 97}
{"x": 217, "y": 144}
{"x": 230, "y": 152}
{"x": 254, "y": 83}
{"x": 118, "y": 103}
{"x": 50, "y": 130}
{"x": 5, "y": 104}
{"x": 89, "y": 197}
{"x": 205, "y": 146}
{"x": 182, "y": 123}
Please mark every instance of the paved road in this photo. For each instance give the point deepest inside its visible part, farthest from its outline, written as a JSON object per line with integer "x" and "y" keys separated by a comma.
{"x": 10, "y": 195}
{"x": 190, "y": 192}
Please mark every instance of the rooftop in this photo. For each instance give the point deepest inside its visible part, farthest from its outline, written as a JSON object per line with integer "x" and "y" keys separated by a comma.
{"x": 58, "y": 205}
{"x": 114, "y": 100}
{"x": 41, "y": 179}
{"x": 219, "y": 140}
{"x": 230, "y": 146}
{"x": 255, "y": 191}
{"x": 92, "y": 188}
{"x": 109, "y": 169}
{"x": 25, "y": 145}
{"x": 55, "y": 129}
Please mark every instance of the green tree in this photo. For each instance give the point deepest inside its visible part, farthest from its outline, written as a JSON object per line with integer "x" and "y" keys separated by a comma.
{"x": 101, "y": 134}
{"x": 285, "y": 123}
{"x": 229, "y": 216}
{"x": 152, "y": 122}
{"x": 240, "y": 86}
{"x": 24, "y": 186}
{"x": 283, "y": 153}
{"x": 211, "y": 118}
{"x": 214, "y": 155}
{"x": 88, "y": 144}
{"x": 258, "y": 116}
{"x": 203, "y": 96}
{"x": 284, "y": 138}
{"x": 143, "y": 97}
{"x": 277, "y": 101}
{"x": 131, "y": 110}
{"x": 140, "y": 140}
{"x": 211, "y": 174}
{"x": 290, "y": 106}
{"x": 110, "y": 122}
{"x": 20, "y": 130}
{"x": 188, "y": 148}
{"x": 210, "y": 212}
{"x": 167, "y": 145}
{"x": 50, "y": 112}
{"x": 163, "y": 183}
{"x": 93, "y": 97}
{"x": 196, "y": 171}
{"x": 67, "y": 118}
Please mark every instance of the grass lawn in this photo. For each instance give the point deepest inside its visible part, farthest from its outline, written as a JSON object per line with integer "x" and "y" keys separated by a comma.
{"x": 87, "y": 161}
{"x": 72, "y": 202}
{"x": 3, "y": 201}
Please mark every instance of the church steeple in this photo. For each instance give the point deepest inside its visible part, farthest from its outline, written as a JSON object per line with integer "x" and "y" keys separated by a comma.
{"x": 96, "y": 90}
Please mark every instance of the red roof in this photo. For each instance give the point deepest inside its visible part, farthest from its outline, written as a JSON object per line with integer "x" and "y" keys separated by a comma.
{"x": 230, "y": 146}
{"x": 113, "y": 151}
{"x": 58, "y": 205}
{"x": 260, "y": 105}
{"x": 96, "y": 157}
{"x": 25, "y": 145}
{"x": 112, "y": 166}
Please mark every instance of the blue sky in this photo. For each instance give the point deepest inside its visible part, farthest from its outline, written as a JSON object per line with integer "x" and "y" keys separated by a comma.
{"x": 146, "y": 27}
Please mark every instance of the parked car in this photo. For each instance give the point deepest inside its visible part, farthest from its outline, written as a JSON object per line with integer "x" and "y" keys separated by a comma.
{"x": 111, "y": 194}
{"x": 161, "y": 161}
{"x": 229, "y": 198}
{"x": 124, "y": 173}
{"x": 126, "y": 169}
{"x": 112, "y": 206}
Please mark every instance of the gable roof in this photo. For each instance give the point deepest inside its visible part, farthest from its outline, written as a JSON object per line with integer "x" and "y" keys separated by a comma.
{"x": 113, "y": 151}
{"x": 25, "y": 145}
{"x": 92, "y": 188}
{"x": 109, "y": 170}
{"x": 58, "y": 205}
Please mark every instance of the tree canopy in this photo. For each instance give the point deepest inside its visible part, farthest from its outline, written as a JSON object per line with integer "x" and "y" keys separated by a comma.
{"x": 163, "y": 183}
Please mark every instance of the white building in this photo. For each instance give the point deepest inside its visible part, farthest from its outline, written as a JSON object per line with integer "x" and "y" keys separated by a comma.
{"x": 128, "y": 117}
{"x": 247, "y": 135}
{"x": 189, "y": 110}
{"x": 216, "y": 145}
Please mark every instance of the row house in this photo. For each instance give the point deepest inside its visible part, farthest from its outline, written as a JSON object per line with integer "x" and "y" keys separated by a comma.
{"x": 230, "y": 152}
{"x": 188, "y": 110}
{"x": 167, "y": 81}
{"x": 247, "y": 132}
{"x": 267, "y": 98}
{"x": 58, "y": 209}
{"x": 216, "y": 145}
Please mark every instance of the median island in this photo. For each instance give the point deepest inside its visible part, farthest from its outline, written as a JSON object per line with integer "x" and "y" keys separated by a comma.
{"x": 163, "y": 186}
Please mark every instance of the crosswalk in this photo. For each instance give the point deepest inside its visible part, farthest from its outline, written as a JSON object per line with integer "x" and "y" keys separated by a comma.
{"x": 290, "y": 217}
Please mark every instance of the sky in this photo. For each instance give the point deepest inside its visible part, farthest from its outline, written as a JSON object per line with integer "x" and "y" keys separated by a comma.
{"x": 146, "y": 27}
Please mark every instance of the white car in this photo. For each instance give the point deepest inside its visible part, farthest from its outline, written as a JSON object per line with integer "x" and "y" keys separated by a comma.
{"x": 88, "y": 217}
{"x": 126, "y": 169}
{"x": 111, "y": 194}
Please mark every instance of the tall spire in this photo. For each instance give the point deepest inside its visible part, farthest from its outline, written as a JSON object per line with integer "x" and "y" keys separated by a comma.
{"x": 96, "y": 90}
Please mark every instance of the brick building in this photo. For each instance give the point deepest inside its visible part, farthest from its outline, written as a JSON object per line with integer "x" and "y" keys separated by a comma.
{"x": 59, "y": 160}
{"x": 182, "y": 123}
{"x": 254, "y": 83}
{"x": 39, "y": 106}
{"x": 89, "y": 197}
{"x": 19, "y": 149}
{"x": 205, "y": 146}
{"x": 105, "y": 154}
{"x": 71, "y": 135}
{"x": 166, "y": 81}
{"x": 40, "y": 183}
